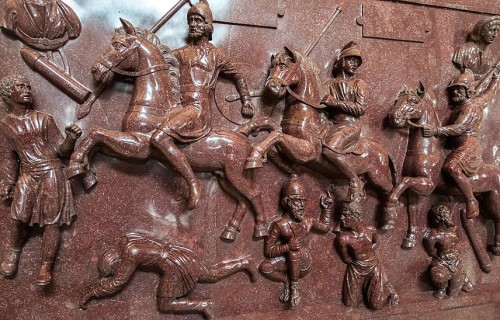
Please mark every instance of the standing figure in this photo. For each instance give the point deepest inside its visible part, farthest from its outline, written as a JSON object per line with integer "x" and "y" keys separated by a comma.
{"x": 32, "y": 175}
{"x": 179, "y": 267}
{"x": 364, "y": 278}
{"x": 346, "y": 102}
{"x": 286, "y": 247}
{"x": 200, "y": 63}
{"x": 476, "y": 54}
{"x": 440, "y": 242}
{"x": 467, "y": 116}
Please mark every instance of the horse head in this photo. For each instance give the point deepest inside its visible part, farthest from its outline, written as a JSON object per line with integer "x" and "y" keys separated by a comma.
{"x": 121, "y": 54}
{"x": 284, "y": 72}
{"x": 412, "y": 105}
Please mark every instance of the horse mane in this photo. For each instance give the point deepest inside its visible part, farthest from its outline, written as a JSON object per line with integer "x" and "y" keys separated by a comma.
{"x": 305, "y": 61}
{"x": 170, "y": 59}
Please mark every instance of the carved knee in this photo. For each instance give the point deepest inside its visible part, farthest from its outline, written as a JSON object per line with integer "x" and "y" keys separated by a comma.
{"x": 266, "y": 267}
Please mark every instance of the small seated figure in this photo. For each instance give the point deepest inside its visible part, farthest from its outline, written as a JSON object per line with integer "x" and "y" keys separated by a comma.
{"x": 364, "y": 279}
{"x": 179, "y": 267}
{"x": 440, "y": 242}
{"x": 32, "y": 175}
{"x": 286, "y": 247}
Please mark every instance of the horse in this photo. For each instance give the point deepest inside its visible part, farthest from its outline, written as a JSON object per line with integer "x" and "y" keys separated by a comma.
{"x": 424, "y": 159}
{"x": 298, "y": 139}
{"x": 137, "y": 53}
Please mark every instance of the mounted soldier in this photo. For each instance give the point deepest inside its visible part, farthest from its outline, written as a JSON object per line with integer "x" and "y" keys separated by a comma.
{"x": 200, "y": 63}
{"x": 345, "y": 100}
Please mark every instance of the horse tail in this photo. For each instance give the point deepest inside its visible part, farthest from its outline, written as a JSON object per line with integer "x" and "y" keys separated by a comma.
{"x": 394, "y": 172}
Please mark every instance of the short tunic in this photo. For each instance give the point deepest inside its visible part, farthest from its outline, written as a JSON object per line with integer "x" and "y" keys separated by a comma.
{"x": 42, "y": 193}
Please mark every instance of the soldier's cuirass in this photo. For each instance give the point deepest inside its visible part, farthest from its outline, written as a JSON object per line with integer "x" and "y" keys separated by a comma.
{"x": 197, "y": 65}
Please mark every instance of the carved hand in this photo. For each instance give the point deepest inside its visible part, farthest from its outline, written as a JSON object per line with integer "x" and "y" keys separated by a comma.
{"x": 294, "y": 244}
{"x": 326, "y": 202}
{"x": 73, "y": 132}
{"x": 6, "y": 191}
{"x": 329, "y": 101}
{"x": 247, "y": 110}
{"x": 429, "y": 131}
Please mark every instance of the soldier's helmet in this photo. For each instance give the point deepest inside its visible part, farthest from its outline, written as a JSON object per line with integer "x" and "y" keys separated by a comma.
{"x": 351, "y": 50}
{"x": 202, "y": 9}
{"x": 293, "y": 187}
{"x": 464, "y": 79}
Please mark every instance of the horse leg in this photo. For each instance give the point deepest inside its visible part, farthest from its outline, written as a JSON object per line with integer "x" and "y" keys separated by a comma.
{"x": 241, "y": 180}
{"x": 418, "y": 185}
{"x": 298, "y": 150}
{"x": 233, "y": 225}
{"x": 493, "y": 206}
{"x": 414, "y": 209}
{"x": 123, "y": 145}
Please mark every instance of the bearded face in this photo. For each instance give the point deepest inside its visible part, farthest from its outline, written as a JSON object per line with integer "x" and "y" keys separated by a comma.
{"x": 197, "y": 27}
{"x": 296, "y": 205}
{"x": 458, "y": 94}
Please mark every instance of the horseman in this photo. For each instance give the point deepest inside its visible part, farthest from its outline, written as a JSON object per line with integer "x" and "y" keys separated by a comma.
{"x": 200, "y": 63}
{"x": 346, "y": 101}
{"x": 464, "y": 161}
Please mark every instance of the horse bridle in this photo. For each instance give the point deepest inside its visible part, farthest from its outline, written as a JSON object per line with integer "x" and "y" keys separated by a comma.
{"x": 128, "y": 52}
{"x": 408, "y": 120}
{"x": 284, "y": 84}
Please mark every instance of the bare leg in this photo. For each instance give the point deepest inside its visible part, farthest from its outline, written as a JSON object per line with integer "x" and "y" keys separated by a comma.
{"x": 17, "y": 237}
{"x": 227, "y": 268}
{"x": 178, "y": 162}
{"x": 186, "y": 305}
{"x": 50, "y": 244}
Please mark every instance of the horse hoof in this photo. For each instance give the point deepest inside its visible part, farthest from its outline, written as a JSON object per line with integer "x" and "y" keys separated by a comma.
{"x": 74, "y": 169}
{"x": 409, "y": 242}
{"x": 254, "y": 162}
{"x": 260, "y": 231}
{"x": 229, "y": 234}
{"x": 495, "y": 250}
{"x": 388, "y": 225}
{"x": 89, "y": 180}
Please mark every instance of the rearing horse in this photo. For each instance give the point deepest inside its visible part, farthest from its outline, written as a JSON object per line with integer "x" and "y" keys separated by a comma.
{"x": 424, "y": 160}
{"x": 137, "y": 53}
{"x": 298, "y": 139}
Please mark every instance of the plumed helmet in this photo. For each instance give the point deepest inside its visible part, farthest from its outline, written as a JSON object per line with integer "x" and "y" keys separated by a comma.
{"x": 293, "y": 187}
{"x": 202, "y": 9}
{"x": 464, "y": 79}
{"x": 350, "y": 50}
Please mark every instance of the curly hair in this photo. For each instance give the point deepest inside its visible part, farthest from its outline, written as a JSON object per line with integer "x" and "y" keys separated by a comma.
{"x": 6, "y": 85}
{"x": 352, "y": 209}
{"x": 440, "y": 215}
{"x": 475, "y": 34}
